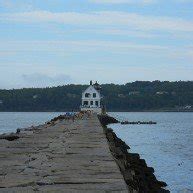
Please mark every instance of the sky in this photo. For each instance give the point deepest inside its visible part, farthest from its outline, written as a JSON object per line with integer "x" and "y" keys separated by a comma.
{"x": 57, "y": 42}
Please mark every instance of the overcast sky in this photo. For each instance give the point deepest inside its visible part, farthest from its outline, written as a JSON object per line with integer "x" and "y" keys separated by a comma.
{"x": 56, "y": 42}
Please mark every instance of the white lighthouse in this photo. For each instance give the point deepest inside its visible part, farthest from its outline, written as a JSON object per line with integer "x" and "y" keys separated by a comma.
{"x": 91, "y": 98}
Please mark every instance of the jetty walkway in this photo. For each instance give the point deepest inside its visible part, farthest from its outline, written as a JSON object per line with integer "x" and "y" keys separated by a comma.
{"x": 64, "y": 156}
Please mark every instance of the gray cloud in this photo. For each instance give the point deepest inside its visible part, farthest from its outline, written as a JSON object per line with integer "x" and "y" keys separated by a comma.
{"x": 103, "y": 18}
{"x": 43, "y": 80}
{"x": 17, "y": 5}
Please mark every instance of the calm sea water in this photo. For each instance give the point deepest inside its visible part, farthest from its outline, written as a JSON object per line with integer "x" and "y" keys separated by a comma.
{"x": 167, "y": 146}
{"x": 9, "y": 122}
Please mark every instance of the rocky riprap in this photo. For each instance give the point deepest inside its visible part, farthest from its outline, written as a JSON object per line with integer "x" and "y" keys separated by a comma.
{"x": 72, "y": 156}
{"x": 139, "y": 177}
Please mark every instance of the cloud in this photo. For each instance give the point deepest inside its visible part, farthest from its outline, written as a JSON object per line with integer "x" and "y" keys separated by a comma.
{"x": 106, "y": 19}
{"x": 140, "y": 2}
{"x": 122, "y": 1}
{"x": 78, "y": 46}
{"x": 42, "y": 80}
{"x": 89, "y": 47}
{"x": 183, "y": 1}
{"x": 6, "y": 53}
{"x": 118, "y": 32}
{"x": 18, "y": 5}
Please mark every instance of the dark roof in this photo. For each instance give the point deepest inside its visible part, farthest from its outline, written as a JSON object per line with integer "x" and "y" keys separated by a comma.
{"x": 97, "y": 86}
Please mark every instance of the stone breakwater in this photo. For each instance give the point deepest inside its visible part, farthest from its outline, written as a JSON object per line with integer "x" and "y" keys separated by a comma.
{"x": 63, "y": 155}
{"x": 138, "y": 176}
{"x": 75, "y": 155}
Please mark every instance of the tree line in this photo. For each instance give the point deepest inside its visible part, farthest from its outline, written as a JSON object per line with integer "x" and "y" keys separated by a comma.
{"x": 135, "y": 96}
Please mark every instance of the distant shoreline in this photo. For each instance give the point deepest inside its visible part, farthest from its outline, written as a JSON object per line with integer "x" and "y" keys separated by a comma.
{"x": 120, "y": 111}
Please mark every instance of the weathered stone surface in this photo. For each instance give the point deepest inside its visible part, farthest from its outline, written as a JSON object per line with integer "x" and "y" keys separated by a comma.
{"x": 62, "y": 157}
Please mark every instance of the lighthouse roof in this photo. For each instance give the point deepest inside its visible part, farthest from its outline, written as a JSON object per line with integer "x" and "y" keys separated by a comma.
{"x": 97, "y": 86}
{"x": 91, "y": 88}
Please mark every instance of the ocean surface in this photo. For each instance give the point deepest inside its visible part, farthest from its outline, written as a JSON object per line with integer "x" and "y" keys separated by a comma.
{"x": 9, "y": 121}
{"x": 167, "y": 146}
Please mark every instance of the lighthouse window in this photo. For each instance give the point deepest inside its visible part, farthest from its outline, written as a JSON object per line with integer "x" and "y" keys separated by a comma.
{"x": 96, "y": 103}
{"x": 87, "y": 95}
{"x": 94, "y": 95}
{"x": 85, "y": 102}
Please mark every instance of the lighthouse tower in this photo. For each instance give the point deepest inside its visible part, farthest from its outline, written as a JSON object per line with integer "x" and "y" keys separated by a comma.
{"x": 91, "y": 98}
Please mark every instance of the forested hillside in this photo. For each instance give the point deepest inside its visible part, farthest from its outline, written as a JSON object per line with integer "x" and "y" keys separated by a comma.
{"x": 136, "y": 96}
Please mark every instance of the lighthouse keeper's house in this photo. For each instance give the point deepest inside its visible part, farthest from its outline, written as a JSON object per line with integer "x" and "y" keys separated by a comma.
{"x": 91, "y": 98}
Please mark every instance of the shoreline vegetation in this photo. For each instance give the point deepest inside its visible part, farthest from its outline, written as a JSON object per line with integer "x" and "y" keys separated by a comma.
{"x": 137, "y": 175}
{"x": 139, "y": 96}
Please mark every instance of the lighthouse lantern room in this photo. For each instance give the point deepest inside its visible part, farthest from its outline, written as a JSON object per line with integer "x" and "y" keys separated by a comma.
{"x": 91, "y": 98}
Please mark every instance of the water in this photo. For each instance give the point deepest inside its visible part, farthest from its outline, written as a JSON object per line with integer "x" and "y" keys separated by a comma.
{"x": 9, "y": 122}
{"x": 167, "y": 146}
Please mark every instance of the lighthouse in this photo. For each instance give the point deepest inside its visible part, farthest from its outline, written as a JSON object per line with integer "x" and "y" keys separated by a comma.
{"x": 91, "y": 98}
